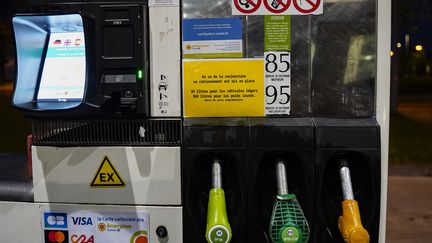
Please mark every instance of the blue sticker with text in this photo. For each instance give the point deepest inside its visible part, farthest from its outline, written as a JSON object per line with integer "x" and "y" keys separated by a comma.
{"x": 212, "y": 29}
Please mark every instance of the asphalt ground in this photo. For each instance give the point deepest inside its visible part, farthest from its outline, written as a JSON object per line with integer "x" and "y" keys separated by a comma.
{"x": 409, "y": 209}
{"x": 409, "y": 206}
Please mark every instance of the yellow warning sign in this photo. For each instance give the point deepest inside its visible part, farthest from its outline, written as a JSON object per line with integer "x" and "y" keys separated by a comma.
{"x": 223, "y": 88}
{"x": 107, "y": 176}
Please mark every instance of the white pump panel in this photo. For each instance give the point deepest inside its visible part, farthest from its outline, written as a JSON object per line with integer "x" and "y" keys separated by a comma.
{"x": 64, "y": 175}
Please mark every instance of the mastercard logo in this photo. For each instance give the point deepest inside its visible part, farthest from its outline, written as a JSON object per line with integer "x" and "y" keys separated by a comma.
{"x": 56, "y": 236}
{"x": 139, "y": 237}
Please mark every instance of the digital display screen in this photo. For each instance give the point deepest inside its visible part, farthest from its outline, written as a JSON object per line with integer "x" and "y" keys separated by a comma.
{"x": 64, "y": 69}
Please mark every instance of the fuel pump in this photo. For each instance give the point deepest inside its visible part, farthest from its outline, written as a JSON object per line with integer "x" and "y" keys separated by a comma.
{"x": 169, "y": 92}
{"x": 218, "y": 228}
{"x": 349, "y": 223}
{"x": 288, "y": 223}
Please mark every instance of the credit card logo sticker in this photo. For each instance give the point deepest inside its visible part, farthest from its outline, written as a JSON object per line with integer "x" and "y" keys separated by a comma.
{"x": 82, "y": 238}
{"x": 56, "y": 236}
{"x": 85, "y": 226}
{"x": 82, "y": 220}
{"x": 55, "y": 220}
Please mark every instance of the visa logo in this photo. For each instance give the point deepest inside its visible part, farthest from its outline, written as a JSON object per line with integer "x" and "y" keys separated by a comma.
{"x": 82, "y": 221}
{"x": 55, "y": 220}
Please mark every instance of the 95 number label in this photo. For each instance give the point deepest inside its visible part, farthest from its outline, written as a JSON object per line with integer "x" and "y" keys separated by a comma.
{"x": 277, "y": 67}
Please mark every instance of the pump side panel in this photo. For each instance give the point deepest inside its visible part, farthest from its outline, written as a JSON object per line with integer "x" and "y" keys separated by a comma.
{"x": 64, "y": 175}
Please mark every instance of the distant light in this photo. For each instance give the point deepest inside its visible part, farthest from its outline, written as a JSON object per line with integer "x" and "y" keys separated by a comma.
{"x": 399, "y": 45}
{"x": 407, "y": 42}
{"x": 391, "y": 53}
{"x": 419, "y": 48}
{"x": 369, "y": 57}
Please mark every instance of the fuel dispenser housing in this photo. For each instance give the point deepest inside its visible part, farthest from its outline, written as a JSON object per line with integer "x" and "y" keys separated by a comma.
{"x": 132, "y": 117}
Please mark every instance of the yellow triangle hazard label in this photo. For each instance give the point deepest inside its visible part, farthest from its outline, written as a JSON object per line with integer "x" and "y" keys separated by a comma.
{"x": 107, "y": 176}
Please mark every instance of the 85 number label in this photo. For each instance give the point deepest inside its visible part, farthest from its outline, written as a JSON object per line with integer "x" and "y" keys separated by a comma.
{"x": 277, "y": 66}
{"x": 277, "y": 62}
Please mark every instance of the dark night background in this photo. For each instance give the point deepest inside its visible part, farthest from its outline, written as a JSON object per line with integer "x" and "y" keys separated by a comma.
{"x": 412, "y": 28}
{"x": 7, "y": 9}
{"x": 414, "y": 18}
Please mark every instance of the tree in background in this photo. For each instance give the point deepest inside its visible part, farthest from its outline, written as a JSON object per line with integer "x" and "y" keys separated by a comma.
{"x": 411, "y": 26}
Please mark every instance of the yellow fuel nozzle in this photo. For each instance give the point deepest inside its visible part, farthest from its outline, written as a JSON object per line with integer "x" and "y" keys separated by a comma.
{"x": 349, "y": 223}
{"x": 218, "y": 229}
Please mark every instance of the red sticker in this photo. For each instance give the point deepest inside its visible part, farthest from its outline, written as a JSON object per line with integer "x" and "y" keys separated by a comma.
{"x": 307, "y": 8}
{"x": 277, "y": 6}
{"x": 247, "y": 6}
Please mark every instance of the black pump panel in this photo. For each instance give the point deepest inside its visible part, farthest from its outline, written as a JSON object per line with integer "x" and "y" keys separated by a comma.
{"x": 356, "y": 141}
{"x": 204, "y": 141}
{"x": 272, "y": 140}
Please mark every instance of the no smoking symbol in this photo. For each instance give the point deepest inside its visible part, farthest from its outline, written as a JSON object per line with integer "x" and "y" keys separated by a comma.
{"x": 247, "y": 6}
{"x": 277, "y": 6}
{"x": 306, "y": 6}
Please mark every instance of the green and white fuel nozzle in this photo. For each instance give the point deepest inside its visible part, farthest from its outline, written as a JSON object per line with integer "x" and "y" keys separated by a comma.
{"x": 288, "y": 223}
{"x": 349, "y": 223}
{"x": 218, "y": 228}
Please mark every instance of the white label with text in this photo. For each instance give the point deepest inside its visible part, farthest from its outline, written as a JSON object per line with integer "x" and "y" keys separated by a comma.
{"x": 277, "y": 66}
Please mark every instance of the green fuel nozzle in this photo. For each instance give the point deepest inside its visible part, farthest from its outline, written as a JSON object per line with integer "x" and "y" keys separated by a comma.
{"x": 288, "y": 223}
{"x": 218, "y": 228}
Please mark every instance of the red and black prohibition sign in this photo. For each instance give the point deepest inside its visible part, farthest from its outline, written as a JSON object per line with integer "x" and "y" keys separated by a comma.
{"x": 311, "y": 5}
{"x": 247, "y": 6}
{"x": 273, "y": 5}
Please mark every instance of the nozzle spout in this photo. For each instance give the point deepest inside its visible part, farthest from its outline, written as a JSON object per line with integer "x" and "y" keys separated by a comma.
{"x": 281, "y": 175}
{"x": 345, "y": 176}
{"x": 216, "y": 174}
